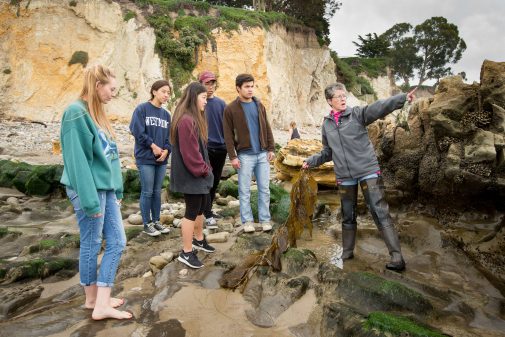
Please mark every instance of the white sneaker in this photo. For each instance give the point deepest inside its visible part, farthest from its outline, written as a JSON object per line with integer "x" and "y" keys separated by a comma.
{"x": 211, "y": 223}
{"x": 266, "y": 226}
{"x": 249, "y": 227}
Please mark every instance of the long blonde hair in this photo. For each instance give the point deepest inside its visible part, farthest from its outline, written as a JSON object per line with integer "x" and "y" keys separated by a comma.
{"x": 92, "y": 75}
{"x": 188, "y": 105}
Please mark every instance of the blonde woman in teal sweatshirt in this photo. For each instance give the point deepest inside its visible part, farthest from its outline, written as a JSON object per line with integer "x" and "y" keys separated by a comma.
{"x": 92, "y": 176}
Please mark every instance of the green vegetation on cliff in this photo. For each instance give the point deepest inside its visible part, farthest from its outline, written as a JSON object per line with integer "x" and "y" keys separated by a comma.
{"x": 182, "y": 26}
{"x": 351, "y": 72}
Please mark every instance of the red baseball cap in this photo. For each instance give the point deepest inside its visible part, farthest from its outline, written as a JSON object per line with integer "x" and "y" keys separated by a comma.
{"x": 206, "y": 76}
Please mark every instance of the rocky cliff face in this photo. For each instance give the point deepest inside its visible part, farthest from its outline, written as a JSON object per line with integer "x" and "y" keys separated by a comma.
{"x": 39, "y": 39}
{"x": 290, "y": 68}
{"x": 452, "y": 145}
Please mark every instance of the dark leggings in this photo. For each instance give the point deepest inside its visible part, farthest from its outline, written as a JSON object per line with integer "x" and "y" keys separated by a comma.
{"x": 195, "y": 205}
{"x": 216, "y": 159}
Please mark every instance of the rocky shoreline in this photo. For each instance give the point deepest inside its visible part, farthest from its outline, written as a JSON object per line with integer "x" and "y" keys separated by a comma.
{"x": 443, "y": 189}
{"x": 442, "y": 292}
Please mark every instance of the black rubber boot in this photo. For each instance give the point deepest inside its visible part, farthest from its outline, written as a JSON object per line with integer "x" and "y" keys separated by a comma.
{"x": 348, "y": 203}
{"x": 373, "y": 191}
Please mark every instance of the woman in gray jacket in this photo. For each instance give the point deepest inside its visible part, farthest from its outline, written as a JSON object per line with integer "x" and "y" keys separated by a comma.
{"x": 346, "y": 142}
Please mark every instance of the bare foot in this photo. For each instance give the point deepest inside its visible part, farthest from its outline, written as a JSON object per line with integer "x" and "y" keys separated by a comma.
{"x": 103, "y": 313}
{"x": 114, "y": 303}
{"x": 89, "y": 305}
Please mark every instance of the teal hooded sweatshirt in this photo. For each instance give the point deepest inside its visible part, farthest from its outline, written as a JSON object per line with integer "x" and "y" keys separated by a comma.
{"x": 90, "y": 159}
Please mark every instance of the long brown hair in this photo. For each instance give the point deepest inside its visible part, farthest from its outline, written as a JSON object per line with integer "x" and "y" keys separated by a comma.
{"x": 188, "y": 105}
{"x": 92, "y": 75}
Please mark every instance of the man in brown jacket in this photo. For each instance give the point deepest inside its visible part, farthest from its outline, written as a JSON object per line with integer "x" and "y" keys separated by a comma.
{"x": 250, "y": 145}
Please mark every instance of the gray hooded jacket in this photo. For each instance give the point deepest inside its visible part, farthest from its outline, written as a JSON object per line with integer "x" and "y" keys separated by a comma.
{"x": 348, "y": 144}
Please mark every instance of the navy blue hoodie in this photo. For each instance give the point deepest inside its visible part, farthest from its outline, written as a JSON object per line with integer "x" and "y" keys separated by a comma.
{"x": 150, "y": 124}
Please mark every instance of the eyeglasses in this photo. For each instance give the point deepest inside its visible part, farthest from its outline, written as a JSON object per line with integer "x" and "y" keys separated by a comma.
{"x": 340, "y": 97}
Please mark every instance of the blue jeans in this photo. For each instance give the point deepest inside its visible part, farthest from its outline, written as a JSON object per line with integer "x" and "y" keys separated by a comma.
{"x": 92, "y": 230}
{"x": 258, "y": 164}
{"x": 151, "y": 180}
{"x": 351, "y": 182}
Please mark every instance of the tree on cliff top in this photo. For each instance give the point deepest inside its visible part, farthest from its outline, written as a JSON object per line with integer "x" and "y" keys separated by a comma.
{"x": 425, "y": 50}
{"x": 313, "y": 13}
{"x": 439, "y": 44}
{"x": 372, "y": 46}
{"x": 403, "y": 52}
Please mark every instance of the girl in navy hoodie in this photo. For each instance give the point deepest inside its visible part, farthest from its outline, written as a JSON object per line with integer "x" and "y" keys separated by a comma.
{"x": 150, "y": 125}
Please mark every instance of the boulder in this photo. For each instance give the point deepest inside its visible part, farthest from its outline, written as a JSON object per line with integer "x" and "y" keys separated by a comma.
{"x": 228, "y": 171}
{"x": 369, "y": 291}
{"x": 222, "y": 201}
{"x": 277, "y": 296}
{"x": 451, "y": 145}
{"x": 226, "y": 227}
{"x": 169, "y": 256}
{"x": 218, "y": 237}
{"x": 228, "y": 188}
{"x": 452, "y": 101}
{"x": 166, "y": 219}
{"x": 492, "y": 84}
{"x": 16, "y": 297}
{"x": 135, "y": 219}
{"x": 481, "y": 147}
{"x": 290, "y": 158}
{"x": 12, "y": 201}
{"x": 157, "y": 263}
{"x": 295, "y": 261}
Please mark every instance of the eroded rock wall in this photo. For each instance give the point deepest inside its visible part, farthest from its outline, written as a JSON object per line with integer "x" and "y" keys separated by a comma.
{"x": 290, "y": 68}
{"x": 452, "y": 144}
{"x": 38, "y": 39}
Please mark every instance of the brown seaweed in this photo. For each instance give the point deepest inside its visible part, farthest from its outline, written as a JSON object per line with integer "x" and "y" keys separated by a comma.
{"x": 303, "y": 198}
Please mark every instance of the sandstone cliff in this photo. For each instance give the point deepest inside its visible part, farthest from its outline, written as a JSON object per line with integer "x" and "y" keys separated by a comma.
{"x": 40, "y": 38}
{"x": 290, "y": 68}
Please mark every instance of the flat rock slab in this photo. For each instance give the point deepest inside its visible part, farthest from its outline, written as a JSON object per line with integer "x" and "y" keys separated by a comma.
{"x": 14, "y": 298}
{"x": 6, "y": 193}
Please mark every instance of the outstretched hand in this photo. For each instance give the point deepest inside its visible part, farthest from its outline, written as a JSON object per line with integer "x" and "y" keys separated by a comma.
{"x": 410, "y": 96}
{"x": 305, "y": 165}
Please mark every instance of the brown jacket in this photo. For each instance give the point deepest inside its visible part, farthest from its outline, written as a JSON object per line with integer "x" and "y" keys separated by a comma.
{"x": 236, "y": 131}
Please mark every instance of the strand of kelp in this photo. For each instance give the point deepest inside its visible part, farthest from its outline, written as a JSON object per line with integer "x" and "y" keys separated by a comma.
{"x": 303, "y": 198}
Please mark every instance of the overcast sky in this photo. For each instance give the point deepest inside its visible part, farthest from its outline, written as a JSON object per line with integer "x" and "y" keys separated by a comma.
{"x": 481, "y": 24}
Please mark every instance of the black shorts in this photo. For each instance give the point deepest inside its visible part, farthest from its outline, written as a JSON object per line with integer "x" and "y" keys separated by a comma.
{"x": 195, "y": 205}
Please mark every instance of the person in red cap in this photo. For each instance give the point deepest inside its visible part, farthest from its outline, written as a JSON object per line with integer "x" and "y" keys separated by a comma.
{"x": 216, "y": 146}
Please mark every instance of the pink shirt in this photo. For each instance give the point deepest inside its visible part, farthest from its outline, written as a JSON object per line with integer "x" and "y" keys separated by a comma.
{"x": 336, "y": 115}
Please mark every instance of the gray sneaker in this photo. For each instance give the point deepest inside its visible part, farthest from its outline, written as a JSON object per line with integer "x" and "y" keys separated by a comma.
{"x": 150, "y": 230}
{"x": 161, "y": 228}
{"x": 211, "y": 223}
